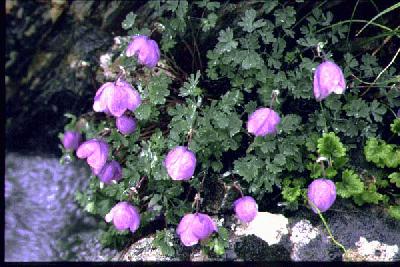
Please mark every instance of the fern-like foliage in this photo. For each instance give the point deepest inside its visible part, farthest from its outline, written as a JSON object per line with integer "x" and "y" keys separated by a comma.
{"x": 382, "y": 154}
{"x": 330, "y": 146}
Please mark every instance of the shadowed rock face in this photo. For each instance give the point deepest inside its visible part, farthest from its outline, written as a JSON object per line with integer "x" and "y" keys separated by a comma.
{"x": 348, "y": 224}
{"x": 51, "y": 67}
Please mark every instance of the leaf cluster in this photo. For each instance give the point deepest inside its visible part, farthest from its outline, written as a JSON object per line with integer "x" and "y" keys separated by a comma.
{"x": 219, "y": 63}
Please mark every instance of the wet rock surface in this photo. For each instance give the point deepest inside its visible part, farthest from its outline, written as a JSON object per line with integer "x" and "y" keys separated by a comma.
{"x": 42, "y": 220}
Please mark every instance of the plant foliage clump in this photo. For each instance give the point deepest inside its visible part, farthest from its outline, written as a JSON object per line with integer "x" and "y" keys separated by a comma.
{"x": 219, "y": 63}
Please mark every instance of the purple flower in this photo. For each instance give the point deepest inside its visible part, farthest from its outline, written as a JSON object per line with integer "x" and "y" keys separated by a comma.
{"x": 398, "y": 113}
{"x": 71, "y": 140}
{"x": 180, "y": 163}
{"x": 111, "y": 171}
{"x": 246, "y": 208}
{"x": 328, "y": 78}
{"x": 124, "y": 216}
{"x": 146, "y": 49}
{"x": 96, "y": 152}
{"x": 195, "y": 227}
{"x": 322, "y": 193}
{"x": 116, "y": 98}
{"x": 125, "y": 124}
{"x": 263, "y": 121}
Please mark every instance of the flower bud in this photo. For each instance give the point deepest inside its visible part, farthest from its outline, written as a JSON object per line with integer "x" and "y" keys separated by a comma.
{"x": 71, "y": 140}
{"x": 180, "y": 163}
{"x": 96, "y": 152}
{"x": 328, "y": 78}
{"x": 263, "y": 121}
{"x": 116, "y": 98}
{"x": 195, "y": 227}
{"x": 124, "y": 216}
{"x": 246, "y": 208}
{"x": 125, "y": 124}
{"x": 111, "y": 171}
{"x": 146, "y": 50}
{"x": 322, "y": 193}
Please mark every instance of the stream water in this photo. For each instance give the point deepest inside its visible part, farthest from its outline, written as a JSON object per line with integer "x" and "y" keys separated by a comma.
{"x": 42, "y": 220}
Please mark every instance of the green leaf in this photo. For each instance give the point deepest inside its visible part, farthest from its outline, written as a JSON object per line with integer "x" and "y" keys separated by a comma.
{"x": 103, "y": 207}
{"x": 357, "y": 108}
{"x": 143, "y": 112}
{"x": 251, "y": 60}
{"x": 290, "y": 194}
{"x": 158, "y": 89}
{"x": 330, "y": 146}
{"x": 290, "y": 123}
{"x": 90, "y": 207}
{"x": 269, "y": 6}
{"x": 190, "y": 88}
{"x": 218, "y": 248}
{"x": 395, "y": 178}
{"x": 248, "y": 22}
{"x": 315, "y": 170}
{"x": 165, "y": 242}
{"x": 330, "y": 172}
{"x": 369, "y": 196}
{"x": 378, "y": 110}
{"x": 285, "y": 18}
{"x": 226, "y": 42}
{"x": 182, "y": 9}
{"x": 381, "y": 153}
{"x": 394, "y": 212}
{"x": 247, "y": 167}
{"x": 129, "y": 21}
{"x": 209, "y": 22}
{"x": 209, "y": 5}
{"x": 350, "y": 185}
{"x": 235, "y": 124}
{"x": 395, "y": 126}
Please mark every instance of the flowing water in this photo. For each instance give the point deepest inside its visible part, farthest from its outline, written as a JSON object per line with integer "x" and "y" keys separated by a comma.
{"x": 42, "y": 220}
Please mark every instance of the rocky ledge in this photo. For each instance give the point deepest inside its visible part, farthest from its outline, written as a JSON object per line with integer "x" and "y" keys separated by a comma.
{"x": 366, "y": 232}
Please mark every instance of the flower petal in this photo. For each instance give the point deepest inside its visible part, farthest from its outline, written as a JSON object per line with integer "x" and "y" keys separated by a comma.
{"x": 117, "y": 101}
{"x": 100, "y": 99}
{"x": 86, "y": 149}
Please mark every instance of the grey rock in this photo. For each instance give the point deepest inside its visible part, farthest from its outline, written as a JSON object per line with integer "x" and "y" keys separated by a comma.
{"x": 42, "y": 220}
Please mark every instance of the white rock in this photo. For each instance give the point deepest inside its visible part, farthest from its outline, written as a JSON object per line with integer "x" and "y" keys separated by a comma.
{"x": 368, "y": 249}
{"x": 267, "y": 226}
{"x": 303, "y": 232}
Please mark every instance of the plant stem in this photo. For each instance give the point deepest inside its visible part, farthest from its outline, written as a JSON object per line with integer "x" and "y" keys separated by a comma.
{"x": 323, "y": 112}
{"x": 327, "y": 228}
{"x": 197, "y": 201}
{"x": 323, "y": 168}
{"x": 235, "y": 185}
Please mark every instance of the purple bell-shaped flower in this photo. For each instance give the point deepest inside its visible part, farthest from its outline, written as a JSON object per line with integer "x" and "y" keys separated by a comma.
{"x": 322, "y": 193}
{"x": 71, "y": 140}
{"x": 116, "y": 98}
{"x": 111, "y": 171}
{"x": 328, "y": 78}
{"x": 180, "y": 163}
{"x": 263, "y": 121}
{"x": 246, "y": 208}
{"x": 146, "y": 50}
{"x": 96, "y": 152}
{"x": 124, "y": 216}
{"x": 195, "y": 227}
{"x": 126, "y": 124}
